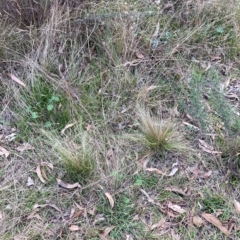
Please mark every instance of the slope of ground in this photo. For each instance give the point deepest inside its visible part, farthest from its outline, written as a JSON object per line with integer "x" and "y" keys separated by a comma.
{"x": 119, "y": 119}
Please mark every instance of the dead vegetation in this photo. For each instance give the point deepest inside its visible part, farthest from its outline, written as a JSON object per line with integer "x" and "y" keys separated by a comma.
{"x": 79, "y": 157}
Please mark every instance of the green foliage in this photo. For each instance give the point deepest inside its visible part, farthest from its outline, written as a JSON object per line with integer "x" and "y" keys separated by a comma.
{"x": 95, "y": 63}
{"x": 213, "y": 203}
{"x": 45, "y": 106}
{"x": 142, "y": 180}
{"x": 194, "y": 105}
{"x": 33, "y": 197}
{"x": 205, "y": 89}
{"x": 220, "y": 104}
{"x": 120, "y": 216}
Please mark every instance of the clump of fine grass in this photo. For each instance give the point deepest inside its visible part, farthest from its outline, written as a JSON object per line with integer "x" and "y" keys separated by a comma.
{"x": 77, "y": 156}
{"x": 159, "y": 134}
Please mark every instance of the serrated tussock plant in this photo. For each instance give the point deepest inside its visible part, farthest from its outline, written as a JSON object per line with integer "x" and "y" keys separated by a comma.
{"x": 159, "y": 134}
{"x": 77, "y": 156}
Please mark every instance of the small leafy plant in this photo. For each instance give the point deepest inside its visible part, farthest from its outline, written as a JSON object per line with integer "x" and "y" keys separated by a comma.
{"x": 50, "y": 107}
{"x": 52, "y": 101}
{"x": 44, "y": 106}
{"x": 33, "y": 114}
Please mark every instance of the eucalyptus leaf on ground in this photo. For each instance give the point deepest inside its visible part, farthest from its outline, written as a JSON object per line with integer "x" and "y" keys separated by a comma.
{"x": 237, "y": 206}
{"x": 207, "y": 148}
{"x": 158, "y": 224}
{"x": 39, "y": 174}
{"x": 66, "y": 127}
{"x": 172, "y": 173}
{"x": 74, "y": 228}
{"x": 24, "y": 147}
{"x": 197, "y": 221}
{"x": 36, "y": 206}
{"x": 110, "y": 199}
{"x": 176, "y": 189}
{"x": 138, "y": 97}
{"x": 176, "y": 208}
{"x": 216, "y": 222}
{"x": 17, "y": 80}
{"x": 67, "y": 185}
{"x": 104, "y": 234}
{"x": 4, "y": 151}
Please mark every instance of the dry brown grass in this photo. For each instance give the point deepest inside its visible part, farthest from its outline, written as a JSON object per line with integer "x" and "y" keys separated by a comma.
{"x": 100, "y": 59}
{"x": 25, "y": 12}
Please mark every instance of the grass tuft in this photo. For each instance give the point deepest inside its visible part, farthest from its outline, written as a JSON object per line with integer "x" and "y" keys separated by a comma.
{"x": 78, "y": 157}
{"x": 159, "y": 134}
{"x": 86, "y": 65}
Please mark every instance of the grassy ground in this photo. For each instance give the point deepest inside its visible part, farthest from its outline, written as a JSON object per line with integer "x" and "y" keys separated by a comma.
{"x": 119, "y": 119}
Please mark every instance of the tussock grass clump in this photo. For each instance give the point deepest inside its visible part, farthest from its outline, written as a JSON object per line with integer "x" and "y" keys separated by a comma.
{"x": 77, "y": 156}
{"x": 159, "y": 134}
{"x": 91, "y": 62}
